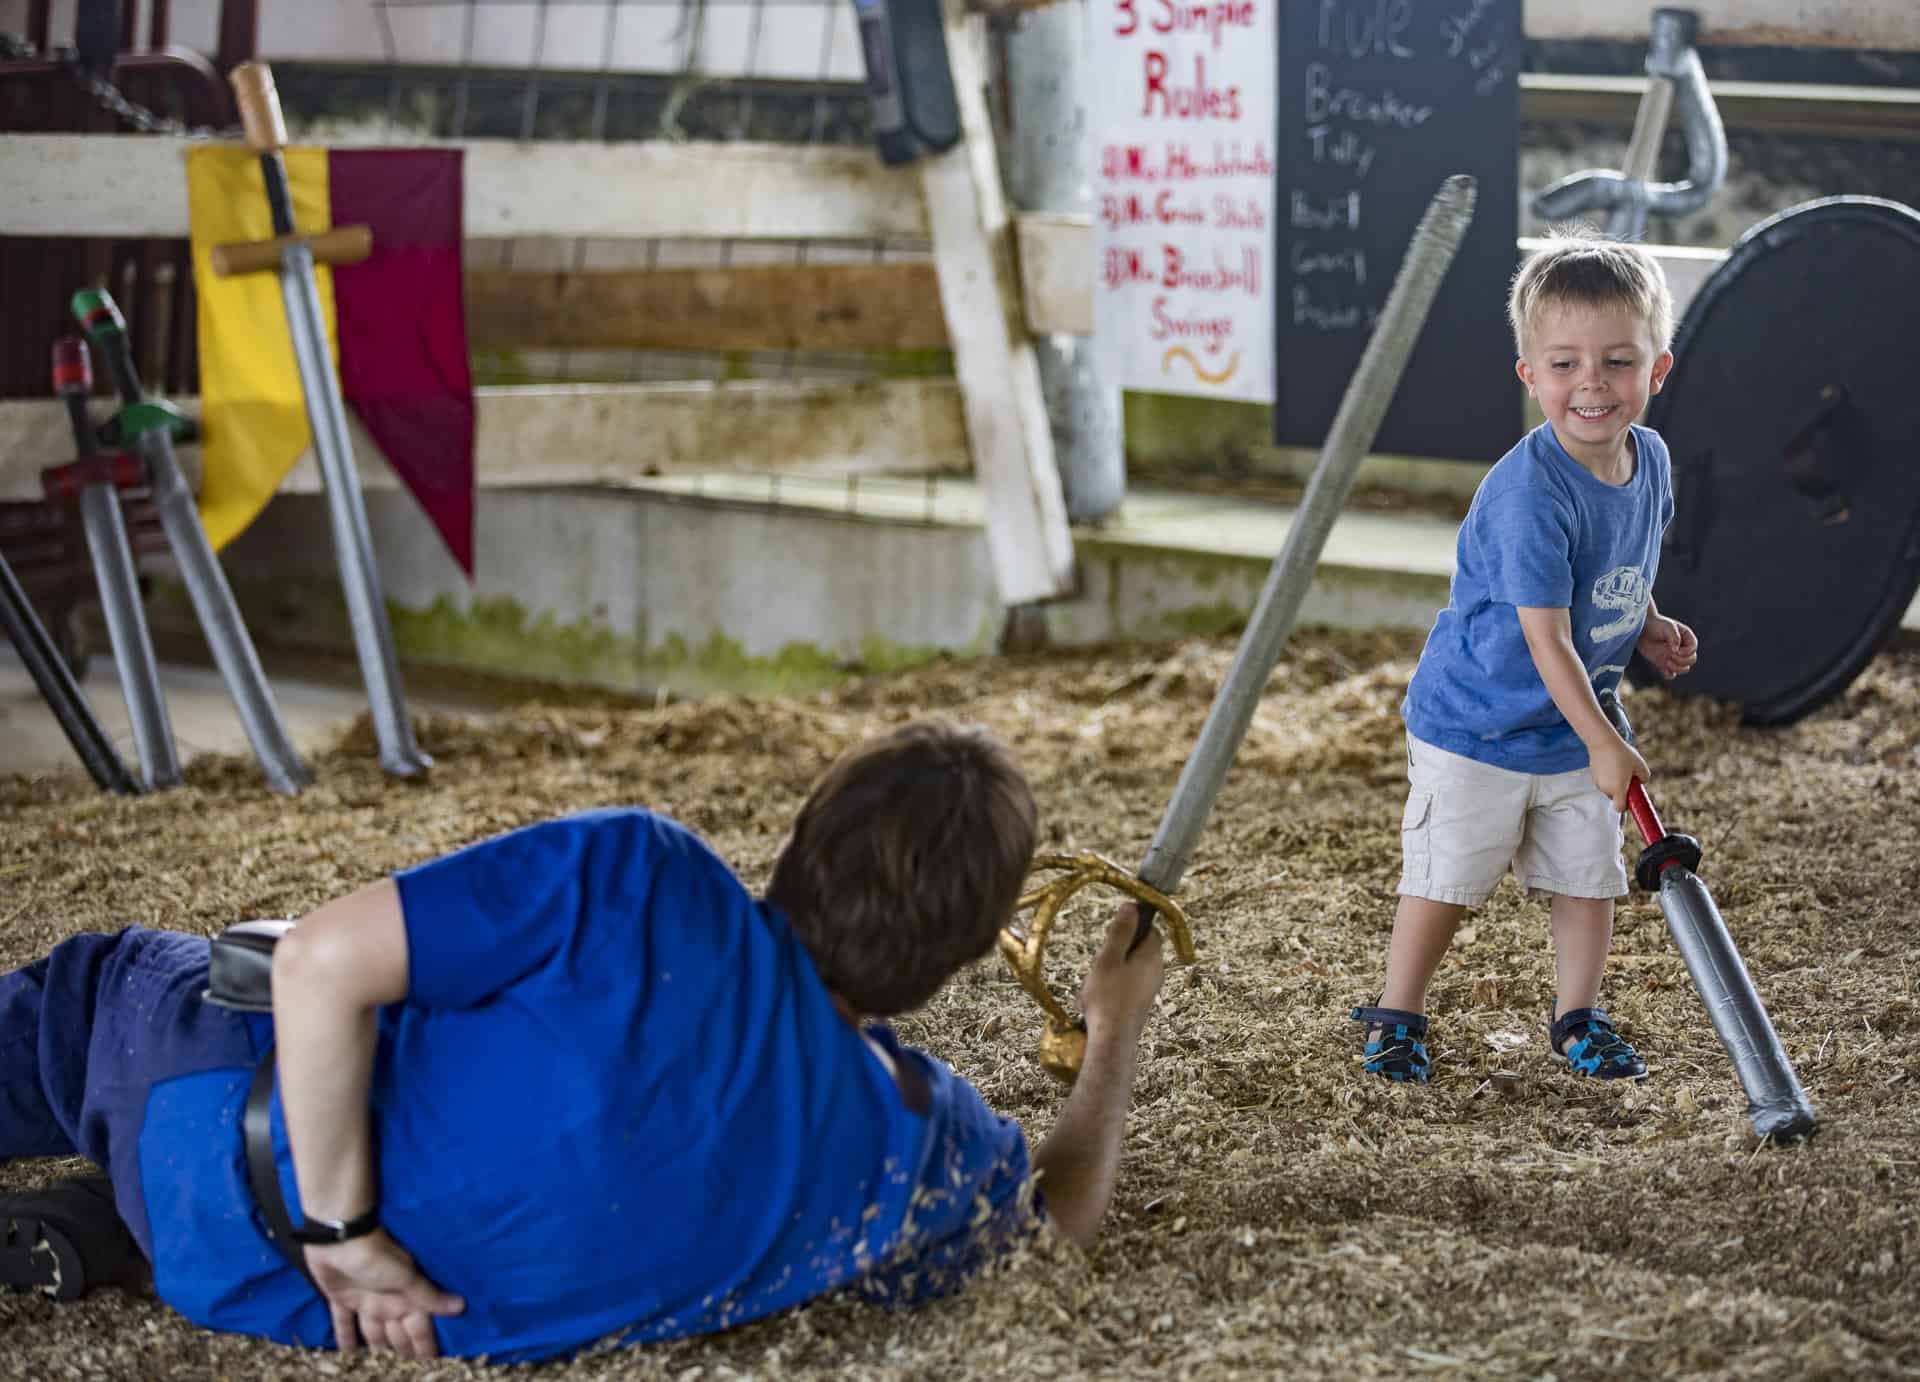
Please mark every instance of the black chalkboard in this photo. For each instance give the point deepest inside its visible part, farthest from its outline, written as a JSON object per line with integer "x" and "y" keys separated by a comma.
{"x": 1379, "y": 100}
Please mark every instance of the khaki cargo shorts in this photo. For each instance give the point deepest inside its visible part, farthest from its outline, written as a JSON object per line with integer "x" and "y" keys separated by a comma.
{"x": 1467, "y": 822}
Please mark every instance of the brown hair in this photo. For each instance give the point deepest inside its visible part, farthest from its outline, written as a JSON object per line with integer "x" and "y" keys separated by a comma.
{"x": 905, "y": 862}
{"x": 1582, "y": 268}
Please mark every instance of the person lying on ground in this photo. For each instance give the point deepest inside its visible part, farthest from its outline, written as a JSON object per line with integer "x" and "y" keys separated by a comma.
{"x": 573, "y": 1084}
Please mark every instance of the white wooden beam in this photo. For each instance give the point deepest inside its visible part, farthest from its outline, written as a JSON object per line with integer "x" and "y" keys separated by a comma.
{"x": 1855, "y": 24}
{"x": 1012, "y": 443}
{"x": 135, "y": 185}
{"x": 614, "y": 433}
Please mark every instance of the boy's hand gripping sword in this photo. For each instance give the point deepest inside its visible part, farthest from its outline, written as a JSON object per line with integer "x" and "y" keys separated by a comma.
{"x": 294, "y": 256}
{"x": 1776, "y": 1104}
{"x": 1368, "y": 394}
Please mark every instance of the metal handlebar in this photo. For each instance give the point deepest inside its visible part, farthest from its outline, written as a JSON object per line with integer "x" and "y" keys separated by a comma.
{"x": 1630, "y": 196}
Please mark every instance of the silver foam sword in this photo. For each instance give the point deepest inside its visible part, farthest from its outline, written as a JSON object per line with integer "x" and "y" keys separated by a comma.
{"x": 148, "y": 425}
{"x": 1777, "y": 1106}
{"x": 294, "y": 255}
{"x": 93, "y": 475}
{"x": 1369, "y": 392}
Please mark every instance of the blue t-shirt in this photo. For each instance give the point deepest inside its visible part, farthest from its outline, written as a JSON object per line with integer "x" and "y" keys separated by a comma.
{"x": 1543, "y": 532}
{"x": 617, "y": 1105}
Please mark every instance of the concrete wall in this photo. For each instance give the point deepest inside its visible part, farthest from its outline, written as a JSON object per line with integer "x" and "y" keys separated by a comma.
{"x": 633, "y": 589}
{"x": 645, "y": 591}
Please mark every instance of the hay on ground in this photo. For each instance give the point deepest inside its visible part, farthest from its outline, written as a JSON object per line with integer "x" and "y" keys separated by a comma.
{"x": 1278, "y": 1214}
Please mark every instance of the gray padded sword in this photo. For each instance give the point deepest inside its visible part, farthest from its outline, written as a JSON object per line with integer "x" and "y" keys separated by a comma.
{"x": 99, "y": 495}
{"x": 1369, "y": 392}
{"x": 1776, "y": 1104}
{"x": 148, "y": 426}
{"x": 294, "y": 255}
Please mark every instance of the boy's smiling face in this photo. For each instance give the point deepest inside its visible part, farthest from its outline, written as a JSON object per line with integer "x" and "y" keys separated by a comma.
{"x": 1593, "y": 370}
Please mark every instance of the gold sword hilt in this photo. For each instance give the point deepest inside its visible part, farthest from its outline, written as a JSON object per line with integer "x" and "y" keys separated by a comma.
{"x": 1063, "y": 1045}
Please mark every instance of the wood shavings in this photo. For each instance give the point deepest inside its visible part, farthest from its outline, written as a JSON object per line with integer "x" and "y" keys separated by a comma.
{"x": 1277, "y": 1214}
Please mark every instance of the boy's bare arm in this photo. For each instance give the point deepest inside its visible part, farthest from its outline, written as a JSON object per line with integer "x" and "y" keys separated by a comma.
{"x": 1080, "y": 1160}
{"x": 330, "y": 975}
{"x": 1613, "y": 762}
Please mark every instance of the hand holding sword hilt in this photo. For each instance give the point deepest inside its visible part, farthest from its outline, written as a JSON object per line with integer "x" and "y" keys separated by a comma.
{"x": 1664, "y": 848}
{"x": 1063, "y": 1044}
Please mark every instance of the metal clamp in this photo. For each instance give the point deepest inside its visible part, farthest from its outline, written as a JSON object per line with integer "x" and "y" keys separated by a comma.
{"x": 1631, "y": 196}
{"x": 1063, "y": 1046}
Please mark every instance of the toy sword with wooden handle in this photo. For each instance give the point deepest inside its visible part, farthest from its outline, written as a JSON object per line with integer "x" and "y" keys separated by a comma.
{"x": 294, "y": 256}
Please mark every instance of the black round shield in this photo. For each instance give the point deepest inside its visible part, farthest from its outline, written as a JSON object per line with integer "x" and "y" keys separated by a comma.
{"x": 1793, "y": 416}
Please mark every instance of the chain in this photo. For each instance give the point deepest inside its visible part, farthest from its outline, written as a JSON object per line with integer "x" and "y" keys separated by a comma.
{"x": 106, "y": 95}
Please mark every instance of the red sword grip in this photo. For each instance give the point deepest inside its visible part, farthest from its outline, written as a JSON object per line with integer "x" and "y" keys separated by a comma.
{"x": 1644, "y": 816}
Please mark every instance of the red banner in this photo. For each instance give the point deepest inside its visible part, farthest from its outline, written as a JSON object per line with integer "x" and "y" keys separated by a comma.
{"x": 402, "y": 325}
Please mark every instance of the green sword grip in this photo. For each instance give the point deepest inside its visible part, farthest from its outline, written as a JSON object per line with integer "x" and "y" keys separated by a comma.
{"x": 99, "y": 316}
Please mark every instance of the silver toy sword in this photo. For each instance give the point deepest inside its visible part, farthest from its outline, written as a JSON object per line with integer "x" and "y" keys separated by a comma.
{"x": 1369, "y": 392}
{"x": 295, "y": 255}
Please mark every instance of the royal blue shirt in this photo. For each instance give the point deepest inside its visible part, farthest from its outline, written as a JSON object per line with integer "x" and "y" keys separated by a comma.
{"x": 1543, "y": 532}
{"x": 617, "y": 1104}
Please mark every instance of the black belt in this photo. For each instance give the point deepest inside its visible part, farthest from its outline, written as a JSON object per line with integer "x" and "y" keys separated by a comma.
{"x": 256, "y": 1130}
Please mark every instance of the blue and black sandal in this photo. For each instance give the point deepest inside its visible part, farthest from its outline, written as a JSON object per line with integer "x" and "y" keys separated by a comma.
{"x": 1586, "y": 1040}
{"x": 1396, "y": 1046}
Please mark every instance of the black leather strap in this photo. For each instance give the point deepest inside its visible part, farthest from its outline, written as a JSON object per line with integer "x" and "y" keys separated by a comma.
{"x": 338, "y": 1230}
{"x": 256, "y": 1130}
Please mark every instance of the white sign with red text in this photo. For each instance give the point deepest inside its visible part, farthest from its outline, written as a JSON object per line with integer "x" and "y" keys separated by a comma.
{"x": 1181, "y": 109}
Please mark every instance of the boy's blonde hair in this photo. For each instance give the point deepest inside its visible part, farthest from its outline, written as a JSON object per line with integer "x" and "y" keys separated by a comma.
{"x": 1582, "y": 268}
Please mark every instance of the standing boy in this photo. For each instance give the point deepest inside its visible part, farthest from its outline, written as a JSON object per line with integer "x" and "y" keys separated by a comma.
{"x": 1511, "y": 759}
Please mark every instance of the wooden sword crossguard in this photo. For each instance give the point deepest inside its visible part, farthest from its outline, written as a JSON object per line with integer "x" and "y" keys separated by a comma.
{"x": 1063, "y": 1045}
{"x": 266, "y": 132}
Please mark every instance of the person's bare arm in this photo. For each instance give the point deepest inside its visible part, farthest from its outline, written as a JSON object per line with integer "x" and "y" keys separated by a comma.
{"x": 1613, "y": 761}
{"x": 331, "y": 974}
{"x": 1080, "y": 1159}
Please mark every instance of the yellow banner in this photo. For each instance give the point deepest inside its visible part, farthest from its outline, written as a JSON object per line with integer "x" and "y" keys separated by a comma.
{"x": 253, "y": 414}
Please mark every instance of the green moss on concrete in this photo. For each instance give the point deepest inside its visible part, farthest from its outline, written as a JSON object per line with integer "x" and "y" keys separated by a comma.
{"x": 1206, "y": 621}
{"x": 1196, "y": 565}
{"x": 1210, "y": 434}
{"x": 501, "y": 636}
{"x": 498, "y": 633}
{"x": 933, "y": 362}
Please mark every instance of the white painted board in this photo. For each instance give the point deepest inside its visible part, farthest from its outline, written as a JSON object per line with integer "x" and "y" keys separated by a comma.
{"x": 1183, "y": 118}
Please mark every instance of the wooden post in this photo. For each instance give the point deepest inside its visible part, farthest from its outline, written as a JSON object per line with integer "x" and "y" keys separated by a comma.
{"x": 239, "y": 33}
{"x": 993, "y": 356}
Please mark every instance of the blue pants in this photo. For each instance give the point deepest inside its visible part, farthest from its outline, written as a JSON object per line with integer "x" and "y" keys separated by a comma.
{"x": 84, "y": 1035}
